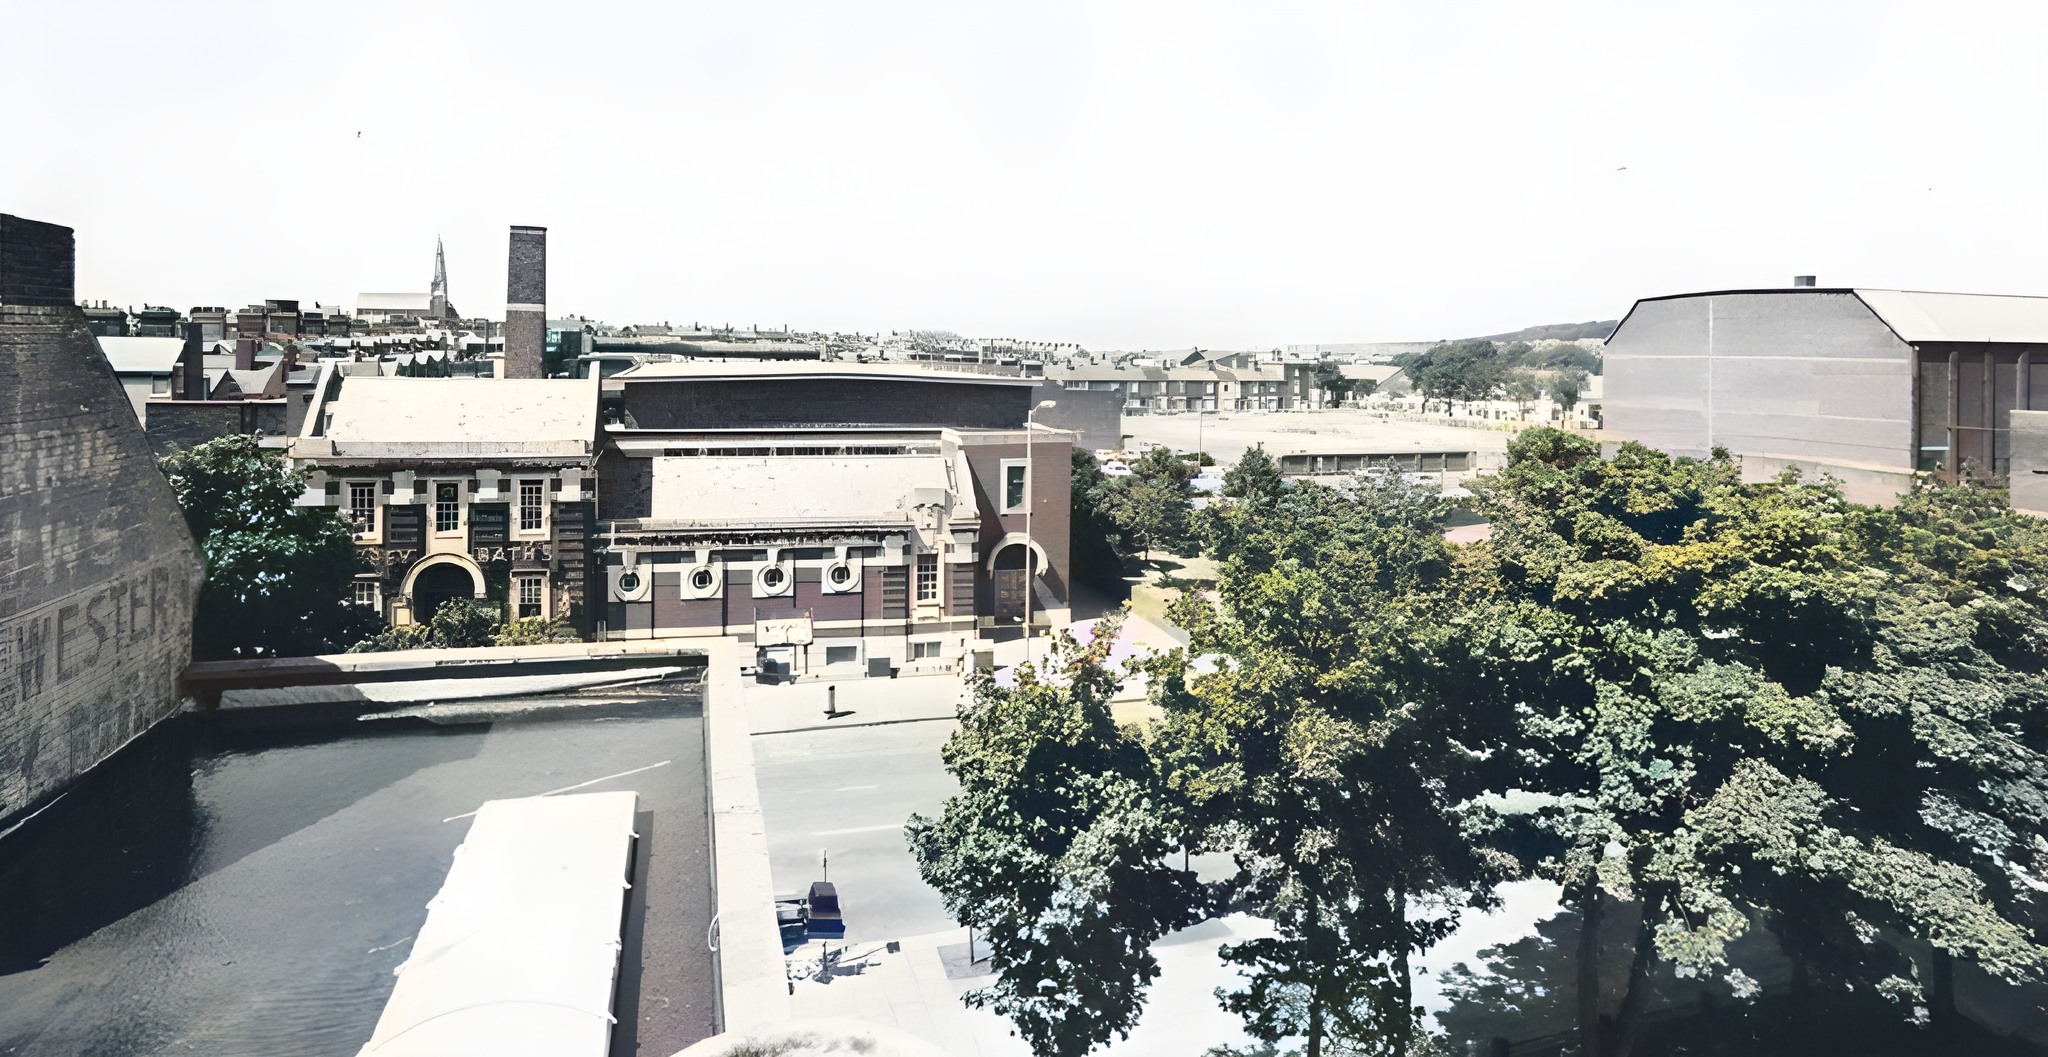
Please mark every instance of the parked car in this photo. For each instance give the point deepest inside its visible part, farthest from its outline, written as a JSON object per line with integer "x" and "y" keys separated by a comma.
{"x": 1115, "y": 468}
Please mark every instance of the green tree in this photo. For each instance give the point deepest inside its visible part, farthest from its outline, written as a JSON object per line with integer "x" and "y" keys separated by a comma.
{"x": 278, "y": 575}
{"x": 1524, "y": 389}
{"x": 1255, "y": 479}
{"x": 1054, "y": 850}
{"x": 1455, "y": 372}
{"x": 1096, "y": 538}
{"x": 1330, "y": 379}
{"x": 1151, "y": 506}
{"x": 1325, "y": 751}
{"x": 1566, "y": 386}
{"x": 1767, "y": 707}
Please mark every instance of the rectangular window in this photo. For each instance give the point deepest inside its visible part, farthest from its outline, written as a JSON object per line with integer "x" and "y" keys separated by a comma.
{"x": 447, "y": 508}
{"x": 362, "y": 505}
{"x": 842, "y": 654}
{"x": 366, "y": 593}
{"x": 924, "y": 651}
{"x": 529, "y": 596}
{"x": 529, "y": 506}
{"x": 1014, "y": 485}
{"x": 927, "y": 577}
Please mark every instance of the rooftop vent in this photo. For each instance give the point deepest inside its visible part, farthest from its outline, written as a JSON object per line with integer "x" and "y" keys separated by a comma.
{"x": 1802, "y": 280}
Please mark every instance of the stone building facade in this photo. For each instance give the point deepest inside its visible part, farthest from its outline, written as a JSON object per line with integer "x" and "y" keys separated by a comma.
{"x": 459, "y": 488}
{"x": 841, "y": 519}
{"x": 98, "y": 574}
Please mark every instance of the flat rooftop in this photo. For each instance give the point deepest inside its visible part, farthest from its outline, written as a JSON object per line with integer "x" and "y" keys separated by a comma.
{"x": 813, "y": 369}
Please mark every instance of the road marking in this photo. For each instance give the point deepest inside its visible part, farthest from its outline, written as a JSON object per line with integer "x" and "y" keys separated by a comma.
{"x": 854, "y": 788}
{"x": 857, "y": 829}
{"x": 578, "y": 785}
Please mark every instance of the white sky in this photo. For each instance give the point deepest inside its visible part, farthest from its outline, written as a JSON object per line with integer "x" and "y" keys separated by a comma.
{"x": 1121, "y": 175}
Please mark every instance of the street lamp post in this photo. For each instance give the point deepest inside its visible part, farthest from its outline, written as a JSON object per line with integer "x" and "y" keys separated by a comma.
{"x": 1030, "y": 500}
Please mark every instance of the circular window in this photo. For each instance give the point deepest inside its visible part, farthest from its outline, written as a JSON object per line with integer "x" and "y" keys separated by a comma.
{"x": 701, "y": 579}
{"x": 841, "y": 574}
{"x": 629, "y": 583}
{"x": 771, "y": 577}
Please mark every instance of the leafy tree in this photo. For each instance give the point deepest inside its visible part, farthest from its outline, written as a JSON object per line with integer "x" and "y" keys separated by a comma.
{"x": 1523, "y": 388}
{"x": 1330, "y": 379}
{"x": 1152, "y": 506}
{"x": 1456, "y": 372}
{"x": 278, "y": 575}
{"x": 1095, "y": 534}
{"x": 1255, "y": 479}
{"x": 1562, "y": 356}
{"x": 1566, "y": 386}
{"x": 1765, "y": 709}
{"x": 1326, "y": 752}
{"x": 1055, "y": 849}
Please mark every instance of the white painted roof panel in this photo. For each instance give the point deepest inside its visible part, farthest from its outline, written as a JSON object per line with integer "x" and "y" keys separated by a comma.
{"x": 520, "y": 952}
{"x": 1919, "y": 315}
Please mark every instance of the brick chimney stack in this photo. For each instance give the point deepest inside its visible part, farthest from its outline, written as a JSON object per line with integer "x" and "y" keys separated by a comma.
{"x": 245, "y": 354}
{"x": 192, "y": 362}
{"x": 526, "y": 302}
{"x": 36, "y": 264}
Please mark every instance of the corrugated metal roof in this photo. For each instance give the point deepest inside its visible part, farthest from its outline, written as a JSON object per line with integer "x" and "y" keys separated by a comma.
{"x": 142, "y": 355}
{"x": 1918, "y": 315}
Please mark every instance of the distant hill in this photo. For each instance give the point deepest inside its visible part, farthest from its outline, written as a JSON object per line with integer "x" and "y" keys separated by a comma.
{"x": 1599, "y": 328}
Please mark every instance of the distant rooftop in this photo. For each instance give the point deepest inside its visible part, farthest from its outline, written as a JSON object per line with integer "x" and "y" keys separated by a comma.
{"x": 813, "y": 369}
{"x": 142, "y": 355}
{"x": 413, "y": 302}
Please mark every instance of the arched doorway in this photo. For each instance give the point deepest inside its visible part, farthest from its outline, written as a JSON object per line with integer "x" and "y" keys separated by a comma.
{"x": 435, "y": 582}
{"x": 1010, "y": 593}
{"x": 1007, "y": 577}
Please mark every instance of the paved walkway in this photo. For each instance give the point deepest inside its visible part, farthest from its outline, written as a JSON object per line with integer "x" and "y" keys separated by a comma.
{"x": 911, "y": 990}
{"x": 784, "y": 707}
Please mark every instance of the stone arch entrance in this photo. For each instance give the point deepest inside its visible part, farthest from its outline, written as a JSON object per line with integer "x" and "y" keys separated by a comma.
{"x": 1007, "y": 577}
{"x": 438, "y": 579}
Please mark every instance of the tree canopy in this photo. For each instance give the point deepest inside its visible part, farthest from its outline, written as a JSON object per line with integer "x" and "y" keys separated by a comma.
{"x": 278, "y": 575}
{"x": 1152, "y": 507}
{"x": 1055, "y": 850}
{"x": 1718, "y": 715}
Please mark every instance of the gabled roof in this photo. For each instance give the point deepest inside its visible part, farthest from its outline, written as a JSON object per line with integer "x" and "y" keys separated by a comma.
{"x": 142, "y": 355}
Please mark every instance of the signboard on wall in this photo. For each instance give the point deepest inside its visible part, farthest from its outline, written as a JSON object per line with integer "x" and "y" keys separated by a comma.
{"x": 782, "y": 631}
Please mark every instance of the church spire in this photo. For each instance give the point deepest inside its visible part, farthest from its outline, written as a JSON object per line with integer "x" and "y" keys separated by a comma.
{"x": 439, "y": 292}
